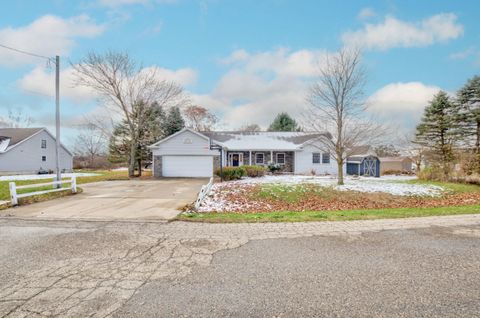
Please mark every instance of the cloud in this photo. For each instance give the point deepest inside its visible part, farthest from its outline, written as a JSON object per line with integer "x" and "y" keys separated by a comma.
{"x": 393, "y": 32}
{"x": 366, "y": 13}
{"x": 49, "y": 35}
{"x": 42, "y": 82}
{"x": 257, "y": 86}
{"x": 461, "y": 55}
{"x": 401, "y": 102}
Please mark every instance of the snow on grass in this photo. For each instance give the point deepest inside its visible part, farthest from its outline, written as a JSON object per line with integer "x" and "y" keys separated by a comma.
{"x": 45, "y": 176}
{"x": 394, "y": 185}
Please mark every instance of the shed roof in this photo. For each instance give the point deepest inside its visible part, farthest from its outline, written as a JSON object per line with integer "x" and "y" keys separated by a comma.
{"x": 264, "y": 140}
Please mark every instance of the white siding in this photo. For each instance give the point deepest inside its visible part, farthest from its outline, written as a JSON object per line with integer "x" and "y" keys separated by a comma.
{"x": 304, "y": 164}
{"x": 186, "y": 143}
{"x": 26, "y": 157}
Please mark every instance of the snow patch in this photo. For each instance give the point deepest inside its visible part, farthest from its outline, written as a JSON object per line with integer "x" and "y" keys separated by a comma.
{"x": 394, "y": 185}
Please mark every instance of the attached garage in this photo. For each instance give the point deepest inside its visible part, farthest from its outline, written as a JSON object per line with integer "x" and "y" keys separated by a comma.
{"x": 184, "y": 154}
{"x": 187, "y": 166}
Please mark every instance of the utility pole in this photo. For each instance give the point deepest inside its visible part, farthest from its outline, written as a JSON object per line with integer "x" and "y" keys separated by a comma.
{"x": 57, "y": 119}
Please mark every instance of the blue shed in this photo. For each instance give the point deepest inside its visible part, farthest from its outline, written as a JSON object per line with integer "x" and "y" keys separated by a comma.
{"x": 367, "y": 165}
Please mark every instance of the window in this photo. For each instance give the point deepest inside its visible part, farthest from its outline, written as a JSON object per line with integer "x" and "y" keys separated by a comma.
{"x": 325, "y": 157}
{"x": 315, "y": 157}
{"x": 259, "y": 160}
{"x": 44, "y": 144}
{"x": 44, "y": 158}
{"x": 281, "y": 158}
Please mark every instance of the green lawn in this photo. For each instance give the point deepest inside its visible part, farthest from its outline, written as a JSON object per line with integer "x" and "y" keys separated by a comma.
{"x": 285, "y": 216}
{"x": 453, "y": 187}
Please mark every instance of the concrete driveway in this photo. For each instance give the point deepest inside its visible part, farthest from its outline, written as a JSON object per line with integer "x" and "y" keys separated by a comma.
{"x": 129, "y": 199}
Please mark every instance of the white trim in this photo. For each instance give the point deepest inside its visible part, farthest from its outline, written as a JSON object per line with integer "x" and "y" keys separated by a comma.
{"x": 284, "y": 158}
{"x": 155, "y": 145}
{"x": 240, "y": 159}
{"x": 31, "y": 136}
{"x": 263, "y": 158}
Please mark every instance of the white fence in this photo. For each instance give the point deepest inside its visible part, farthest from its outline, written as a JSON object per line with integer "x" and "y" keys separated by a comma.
{"x": 203, "y": 193}
{"x": 56, "y": 186}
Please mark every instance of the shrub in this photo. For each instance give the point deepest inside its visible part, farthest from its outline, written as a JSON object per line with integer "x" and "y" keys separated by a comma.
{"x": 255, "y": 171}
{"x": 274, "y": 167}
{"x": 231, "y": 173}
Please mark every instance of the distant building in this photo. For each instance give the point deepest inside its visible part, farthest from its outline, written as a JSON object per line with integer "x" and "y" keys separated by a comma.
{"x": 29, "y": 151}
{"x": 363, "y": 161}
{"x": 398, "y": 164}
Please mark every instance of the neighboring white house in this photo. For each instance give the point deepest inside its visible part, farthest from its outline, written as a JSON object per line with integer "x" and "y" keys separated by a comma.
{"x": 30, "y": 150}
{"x": 188, "y": 153}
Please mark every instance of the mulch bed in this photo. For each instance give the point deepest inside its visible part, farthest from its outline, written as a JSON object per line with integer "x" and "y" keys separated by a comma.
{"x": 245, "y": 199}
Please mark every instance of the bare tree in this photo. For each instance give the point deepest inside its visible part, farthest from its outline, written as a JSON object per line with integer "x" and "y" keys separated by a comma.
{"x": 16, "y": 119}
{"x": 199, "y": 118}
{"x": 251, "y": 127}
{"x": 128, "y": 89}
{"x": 336, "y": 104}
{"x": 91, "y": 142}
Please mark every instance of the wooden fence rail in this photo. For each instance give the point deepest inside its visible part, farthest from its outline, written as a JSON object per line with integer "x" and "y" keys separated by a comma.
{"x": 56, "y": 186}
{"x": 203, "y": 193}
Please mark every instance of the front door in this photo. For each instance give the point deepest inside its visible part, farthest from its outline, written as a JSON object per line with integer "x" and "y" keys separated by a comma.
{"x": 236, "y": 159}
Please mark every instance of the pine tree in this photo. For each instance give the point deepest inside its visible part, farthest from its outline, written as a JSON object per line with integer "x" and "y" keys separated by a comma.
{"x": 283, "y": 122}
{"x": 174, "y": 121}
{"x": 438, "y": 131}
{"x": 468, "y": 98}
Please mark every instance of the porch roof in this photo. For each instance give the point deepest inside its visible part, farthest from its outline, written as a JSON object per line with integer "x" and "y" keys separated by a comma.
{"x": 262, "y": 141}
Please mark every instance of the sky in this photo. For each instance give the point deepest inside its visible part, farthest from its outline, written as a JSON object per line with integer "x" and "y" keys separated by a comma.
{"x": 247, "y": 60}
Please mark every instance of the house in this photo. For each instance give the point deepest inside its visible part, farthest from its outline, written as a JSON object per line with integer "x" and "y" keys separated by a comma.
{"x": 30, "y": 150}
{"x": 188, "y": 153}
{"x": 363, "y": 161}
{"x": 396, "y": 164}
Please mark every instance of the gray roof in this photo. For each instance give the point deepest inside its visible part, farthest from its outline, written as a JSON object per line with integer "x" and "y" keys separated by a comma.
{"x": 262, "y": 140}
{"x": 17, "y": 135}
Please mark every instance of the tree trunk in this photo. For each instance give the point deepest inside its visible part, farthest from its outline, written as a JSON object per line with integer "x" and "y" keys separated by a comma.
{"x": 340, "y": 171}
{"x": 131, "y": 161}
{"x": 477, "y": 144}
{"x": 139, "y": 162}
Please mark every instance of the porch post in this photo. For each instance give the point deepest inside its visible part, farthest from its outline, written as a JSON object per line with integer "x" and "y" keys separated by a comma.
{"x": 271, "y": 156}
{"x": 250, "y": 158}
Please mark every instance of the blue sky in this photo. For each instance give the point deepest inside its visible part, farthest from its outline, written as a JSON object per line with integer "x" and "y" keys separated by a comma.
{"x": 244, "y": 60}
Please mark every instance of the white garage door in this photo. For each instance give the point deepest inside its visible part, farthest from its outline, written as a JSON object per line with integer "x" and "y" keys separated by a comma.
{"x": 187, "y": 166}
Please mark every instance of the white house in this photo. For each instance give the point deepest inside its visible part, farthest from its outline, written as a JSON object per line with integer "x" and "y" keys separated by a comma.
{"x": 30, "y": 150}
{"x": 188, "y": 153}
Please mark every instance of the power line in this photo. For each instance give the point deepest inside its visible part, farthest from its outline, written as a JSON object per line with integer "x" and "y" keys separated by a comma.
{"x": 26, "y": 53}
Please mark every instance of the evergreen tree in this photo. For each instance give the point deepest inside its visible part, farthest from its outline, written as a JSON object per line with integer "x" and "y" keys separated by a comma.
{"x": 152, "y": 131}
{"x": 438, "y": 131}
{"x": 174, "y": 121}
{"x": 283, "y": 122}
{"x": 468, "y": 98}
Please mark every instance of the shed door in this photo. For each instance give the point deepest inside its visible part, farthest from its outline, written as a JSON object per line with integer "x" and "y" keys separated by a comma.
{"x": 370, "y": 167}
{"x": 187, "y": 166}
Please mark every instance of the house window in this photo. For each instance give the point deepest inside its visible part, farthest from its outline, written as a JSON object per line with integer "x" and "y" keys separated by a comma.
{"x": 281, "y": 158}
{"x": 325, "y": 157}
{"x": 315, "y": 157}
{"x": 259, "y": 160}
{"x": 44, "y": 158}
{"x": 44, "y": 144}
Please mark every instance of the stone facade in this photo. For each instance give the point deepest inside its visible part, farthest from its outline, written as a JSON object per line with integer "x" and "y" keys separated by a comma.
{"x": 157, "y": 166}
{"x": 216, "y": 163}
{"x": 288, "y": 167}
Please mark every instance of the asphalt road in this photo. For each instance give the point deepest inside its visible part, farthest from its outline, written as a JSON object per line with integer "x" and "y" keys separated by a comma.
{"x": 420, "y": 273}
{"x": 427, "y": 267}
